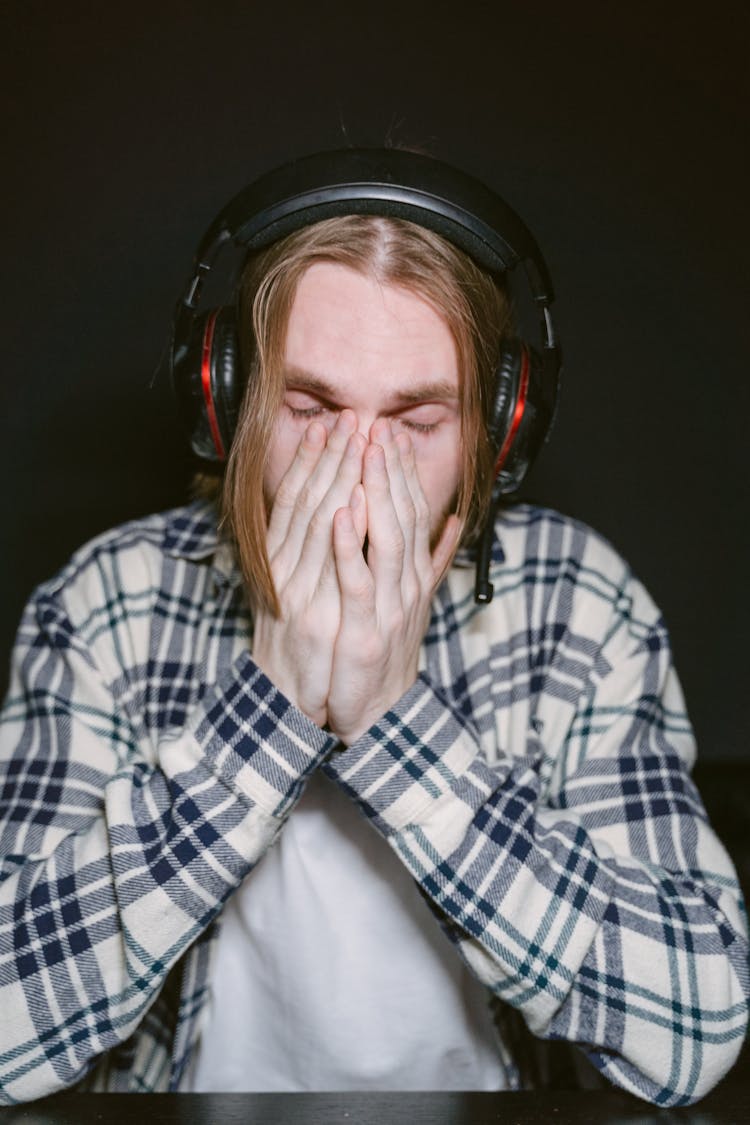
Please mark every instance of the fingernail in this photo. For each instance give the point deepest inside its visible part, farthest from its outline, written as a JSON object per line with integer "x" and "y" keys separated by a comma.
{"x": 381, "y": 431}
{"x": 346, "y": 420}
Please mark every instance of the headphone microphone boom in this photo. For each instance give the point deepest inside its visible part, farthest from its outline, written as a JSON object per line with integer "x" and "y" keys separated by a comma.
{"x": 395, "y": 183}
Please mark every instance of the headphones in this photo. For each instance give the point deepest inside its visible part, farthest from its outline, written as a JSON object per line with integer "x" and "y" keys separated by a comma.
{"x": 204, "y": 353}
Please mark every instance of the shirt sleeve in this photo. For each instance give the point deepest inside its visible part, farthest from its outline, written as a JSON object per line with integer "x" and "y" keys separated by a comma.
{"x": 117, "y": 852}
{"x": 576, "y": 872}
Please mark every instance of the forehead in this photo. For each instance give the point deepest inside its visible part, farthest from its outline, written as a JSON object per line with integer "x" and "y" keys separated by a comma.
{"x": 346, "y": 327}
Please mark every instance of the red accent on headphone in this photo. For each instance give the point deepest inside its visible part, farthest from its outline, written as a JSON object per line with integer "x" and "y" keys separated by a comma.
{"x": 518, "y": 412}
{"x": 208, "y": 339}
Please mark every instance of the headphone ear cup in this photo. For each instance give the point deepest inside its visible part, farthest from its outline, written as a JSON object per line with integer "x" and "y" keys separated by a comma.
{"x": 526, "y": 390}
{"x": 508, "y": 387}
{"x": 227, "y": 384}
{"x": 206, "y": 379}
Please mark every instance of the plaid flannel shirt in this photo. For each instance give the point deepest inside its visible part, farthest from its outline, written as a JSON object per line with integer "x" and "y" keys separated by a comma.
{"x": 534, "y": 781}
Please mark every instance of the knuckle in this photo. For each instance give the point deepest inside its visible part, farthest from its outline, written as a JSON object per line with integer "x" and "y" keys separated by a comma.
{"x": 307, "y": 499}
{"x": 320, "y": 520}
{"x": 283, "y": 562}
{"x": 361, "y": 592}
{"x": 372, "y": 649}
{"x": 286, "y": 495}
{"x": 313, "y": 633}
{"x": 291, "y": 605}
{"x": 411, "y": 589}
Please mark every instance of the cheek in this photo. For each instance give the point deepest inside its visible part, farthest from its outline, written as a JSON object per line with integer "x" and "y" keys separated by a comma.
{"x": 439, "y": 471}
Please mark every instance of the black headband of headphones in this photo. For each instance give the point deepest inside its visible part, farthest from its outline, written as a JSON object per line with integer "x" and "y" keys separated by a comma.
{"x": 393, "y": 183}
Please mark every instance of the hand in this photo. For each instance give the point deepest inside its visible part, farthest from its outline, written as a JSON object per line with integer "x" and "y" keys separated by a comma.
{"x": 385, "y": 599}
{"x": 295, "y": 650}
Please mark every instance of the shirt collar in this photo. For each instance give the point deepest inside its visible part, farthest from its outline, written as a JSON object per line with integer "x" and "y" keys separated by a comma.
{"x": 193, "y": 534}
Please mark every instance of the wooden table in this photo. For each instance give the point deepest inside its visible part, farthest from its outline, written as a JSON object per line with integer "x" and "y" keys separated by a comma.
{"x": 729, "y": 1105}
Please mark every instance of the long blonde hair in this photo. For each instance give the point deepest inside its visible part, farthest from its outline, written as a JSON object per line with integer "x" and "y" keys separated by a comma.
{"x": 473, "y": 304}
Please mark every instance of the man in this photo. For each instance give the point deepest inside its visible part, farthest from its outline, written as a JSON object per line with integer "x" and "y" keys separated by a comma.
{"x": 184, "y": 698}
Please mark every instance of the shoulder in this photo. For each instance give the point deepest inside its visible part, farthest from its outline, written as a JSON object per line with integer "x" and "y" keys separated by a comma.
{"x": 527, "y": 533}
{"x": 555, "y": 572}
{"x": 541, "y": 543}
{"x": 127, "y": 562}
{"x": 189, "y": 531}
{"x": 571, "y": 564}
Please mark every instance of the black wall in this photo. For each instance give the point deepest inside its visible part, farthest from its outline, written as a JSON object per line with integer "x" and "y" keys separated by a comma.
{"x": 618, "y": 131}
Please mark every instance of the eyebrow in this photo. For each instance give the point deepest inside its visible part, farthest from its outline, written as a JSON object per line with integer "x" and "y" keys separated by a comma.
{"x": 436, "y": 390}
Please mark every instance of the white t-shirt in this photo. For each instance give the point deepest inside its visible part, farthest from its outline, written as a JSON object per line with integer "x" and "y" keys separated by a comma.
{"x": 330, "y": 973}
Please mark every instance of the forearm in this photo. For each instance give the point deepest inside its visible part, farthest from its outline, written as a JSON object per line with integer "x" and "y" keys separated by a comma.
{"x": 116, "y": 891}
{"x": 594, "y": 946}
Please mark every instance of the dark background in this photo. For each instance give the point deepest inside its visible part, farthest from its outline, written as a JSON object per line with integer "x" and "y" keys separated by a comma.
{"x": 619, "y": 131}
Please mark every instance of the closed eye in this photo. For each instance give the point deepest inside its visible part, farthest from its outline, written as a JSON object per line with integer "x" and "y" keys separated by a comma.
{"x": 423, "y": 417}
{"x": 307, "y": 412}
{"x": 300, "y": 404}
{"x": 418, "y": 427}
{"x": 418, "y": 418}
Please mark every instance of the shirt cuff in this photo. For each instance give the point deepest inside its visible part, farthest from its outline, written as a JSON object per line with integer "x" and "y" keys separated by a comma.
{"x": 257, "y": 740}
{"x": 408, "y": 762}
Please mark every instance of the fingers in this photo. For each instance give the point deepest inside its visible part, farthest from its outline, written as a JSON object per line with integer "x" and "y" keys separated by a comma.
{"x": 399, "y": 517}
{"x": 386, "y": 537}
{"x": 320, "y": 479}
{"x": 379, "y": 483}
{"x": 305, "y": 460}
{"x": 359, "y": 513}
{"x": 354, "y": 575}
{"x": 400, "y": 525}
{"x": 398, "y": 451}
{"x": 310, "y": 531}
{"x": 421, "y": 516}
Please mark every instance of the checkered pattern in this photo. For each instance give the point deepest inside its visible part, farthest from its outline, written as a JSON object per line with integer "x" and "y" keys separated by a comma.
{"x": 534, "y": 781}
